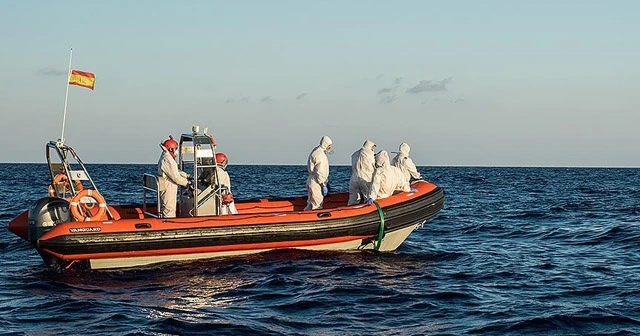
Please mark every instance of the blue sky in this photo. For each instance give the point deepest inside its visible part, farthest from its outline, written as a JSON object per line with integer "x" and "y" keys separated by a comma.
{"x": 473, "y": 83}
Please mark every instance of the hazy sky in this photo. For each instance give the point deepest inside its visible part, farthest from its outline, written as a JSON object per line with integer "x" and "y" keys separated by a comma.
{"x": 487, "y": 83}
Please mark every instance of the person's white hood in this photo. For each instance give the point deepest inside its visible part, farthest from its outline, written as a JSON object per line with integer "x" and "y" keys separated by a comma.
{"x": 325, "y": 142}
{"x": 368, "y": 144}
{"x": 404, "y": 149}
{"x": 382, "y": 159}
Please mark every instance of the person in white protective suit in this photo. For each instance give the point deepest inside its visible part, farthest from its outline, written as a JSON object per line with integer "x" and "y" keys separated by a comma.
{"x": 169, "y": 177}
{"x": 386, "y": 180}
{"x": 224, "y": 181}
{"x": 362, "y": 166}
{"x": 318, "y": 168}
{"x": 404, "y": 162}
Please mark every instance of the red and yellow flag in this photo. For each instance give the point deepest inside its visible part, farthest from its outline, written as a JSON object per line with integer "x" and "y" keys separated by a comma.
{"x": 82, "y": 78}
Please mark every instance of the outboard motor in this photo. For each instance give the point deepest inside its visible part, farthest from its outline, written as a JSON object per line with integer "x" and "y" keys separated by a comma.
{"x": 46, "y": 213}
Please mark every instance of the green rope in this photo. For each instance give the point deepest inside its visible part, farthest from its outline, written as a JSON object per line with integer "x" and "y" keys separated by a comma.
{"x": 381, "y": 231}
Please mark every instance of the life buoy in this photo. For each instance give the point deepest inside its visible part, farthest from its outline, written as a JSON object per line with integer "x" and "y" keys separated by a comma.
{"x": 62, "y": 178}
{"x": 83, "y": 213}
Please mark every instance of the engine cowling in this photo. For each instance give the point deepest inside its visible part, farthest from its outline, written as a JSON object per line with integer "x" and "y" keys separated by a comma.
{"x": 45, "y": 214}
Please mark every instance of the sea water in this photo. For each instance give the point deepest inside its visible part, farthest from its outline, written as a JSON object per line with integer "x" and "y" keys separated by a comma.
{"x": 553, "y": 251}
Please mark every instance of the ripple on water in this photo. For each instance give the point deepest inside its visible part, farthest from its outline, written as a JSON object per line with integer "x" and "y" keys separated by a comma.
{"x": 515, "y": 251}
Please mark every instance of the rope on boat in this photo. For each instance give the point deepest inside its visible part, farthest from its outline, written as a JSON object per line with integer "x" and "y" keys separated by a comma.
{"x": 381, "y": 231}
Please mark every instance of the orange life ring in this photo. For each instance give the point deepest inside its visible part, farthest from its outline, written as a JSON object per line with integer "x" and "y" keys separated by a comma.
{"x": 62, "y": 178}
{"x": 84, "y": 213}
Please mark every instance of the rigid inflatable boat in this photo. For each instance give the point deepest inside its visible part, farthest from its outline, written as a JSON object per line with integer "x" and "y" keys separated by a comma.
{"x": 74, "y": 227}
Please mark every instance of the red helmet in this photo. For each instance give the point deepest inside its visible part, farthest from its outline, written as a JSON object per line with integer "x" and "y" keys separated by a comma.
{"x": 221, "y": 159}
{"x": 170, "y": 144}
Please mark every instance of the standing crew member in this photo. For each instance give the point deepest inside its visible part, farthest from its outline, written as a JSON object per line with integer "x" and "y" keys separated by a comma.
{"x": 169, "y": 177}
{"x": 362, "y": 165}
{"x": 318, "y": 168}
{"x": 404, "y": 162}
{"x": 228, "y": 204}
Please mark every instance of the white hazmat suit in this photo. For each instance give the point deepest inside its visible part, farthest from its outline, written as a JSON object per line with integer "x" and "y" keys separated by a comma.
{"x": 386, "y": 178}
{"x": 228, "y": 208}
{"x": 404, "y": 162}
{"x": 318, "y": 168}
{"x": 169, "y": 176}
{"x": 362, "y": 166}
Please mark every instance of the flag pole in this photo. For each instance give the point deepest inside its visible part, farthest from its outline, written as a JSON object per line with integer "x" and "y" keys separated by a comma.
{"x": 66, "y": 97}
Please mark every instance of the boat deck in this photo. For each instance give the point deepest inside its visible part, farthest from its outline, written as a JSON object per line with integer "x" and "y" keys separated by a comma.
{"x": 245, "y": 207}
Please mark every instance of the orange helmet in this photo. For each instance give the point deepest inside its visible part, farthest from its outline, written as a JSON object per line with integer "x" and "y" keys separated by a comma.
{"x": 171, "y": 145}
{"x": 221, "y": 159}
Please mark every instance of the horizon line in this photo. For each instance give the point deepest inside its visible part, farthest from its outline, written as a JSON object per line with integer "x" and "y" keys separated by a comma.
{"x": 348, "y": 165}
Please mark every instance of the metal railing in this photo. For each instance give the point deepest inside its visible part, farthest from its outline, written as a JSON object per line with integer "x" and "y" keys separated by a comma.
{"x": 150, "y": 184}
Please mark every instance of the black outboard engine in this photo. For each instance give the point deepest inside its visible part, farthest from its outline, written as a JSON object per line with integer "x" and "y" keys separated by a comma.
{"x": 46, "y": 213}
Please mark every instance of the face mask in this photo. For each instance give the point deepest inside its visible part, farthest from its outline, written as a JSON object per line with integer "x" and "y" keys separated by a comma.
{"x": 329, "y": 150}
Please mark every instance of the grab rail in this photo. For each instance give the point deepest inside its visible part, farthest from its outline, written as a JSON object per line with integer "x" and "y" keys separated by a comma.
{"x": 150, "y": 184}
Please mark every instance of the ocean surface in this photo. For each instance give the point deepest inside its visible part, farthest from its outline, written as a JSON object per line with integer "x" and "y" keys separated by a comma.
{"x": 515, "y": 251}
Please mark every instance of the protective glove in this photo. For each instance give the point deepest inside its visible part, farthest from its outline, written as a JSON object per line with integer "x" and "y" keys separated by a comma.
{"x": 325, "y": 190}
{"x": 369, "y": 201}
{"x": 227, "y": 198}
{"x": 412, "y": 190}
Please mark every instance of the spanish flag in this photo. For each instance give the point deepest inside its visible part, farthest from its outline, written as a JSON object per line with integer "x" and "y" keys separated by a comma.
{"x": 81, "y": 78}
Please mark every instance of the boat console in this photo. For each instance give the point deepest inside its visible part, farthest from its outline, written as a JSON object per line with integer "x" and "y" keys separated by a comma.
{"x": 197, "y": 158}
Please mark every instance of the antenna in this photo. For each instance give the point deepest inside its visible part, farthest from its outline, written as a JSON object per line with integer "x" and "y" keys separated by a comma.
{"x": 66, "y": 97}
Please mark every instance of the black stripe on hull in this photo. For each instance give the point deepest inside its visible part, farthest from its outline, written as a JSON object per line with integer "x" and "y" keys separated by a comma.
{"x": 397, "y": 217}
